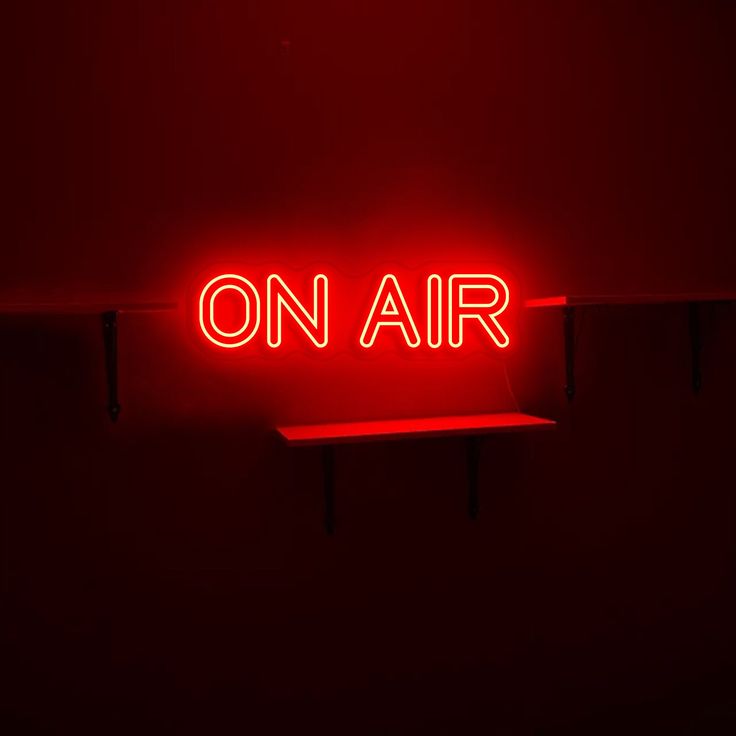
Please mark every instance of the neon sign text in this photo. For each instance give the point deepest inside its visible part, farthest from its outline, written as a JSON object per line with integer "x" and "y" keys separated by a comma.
{"x": 453, "y": 305}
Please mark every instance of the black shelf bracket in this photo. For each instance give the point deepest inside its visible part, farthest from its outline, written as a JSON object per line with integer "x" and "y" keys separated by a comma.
{"x": 473, "y": 456}
{"x": 328, "y": 472}
{"x": 568, "y": 327}
{"x": 696, "y": 345}
{"x": 110, "y": 338}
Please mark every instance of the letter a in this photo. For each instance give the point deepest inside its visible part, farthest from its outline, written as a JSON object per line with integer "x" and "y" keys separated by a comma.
{"x": 389, "y": 310}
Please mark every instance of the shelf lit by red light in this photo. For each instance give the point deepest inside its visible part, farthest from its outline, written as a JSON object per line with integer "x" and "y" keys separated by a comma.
{"x": 397, "y": 429}
{"x": 570, "y": 303}
{"x": 83, "y": 308}
{"x": 629, "y": 299}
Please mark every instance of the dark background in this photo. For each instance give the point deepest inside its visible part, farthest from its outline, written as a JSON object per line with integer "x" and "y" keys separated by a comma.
{"x": 169, "y": 574}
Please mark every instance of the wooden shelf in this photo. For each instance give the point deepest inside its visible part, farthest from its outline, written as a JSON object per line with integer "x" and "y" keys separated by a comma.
{"x": 83, "y": 308}
{"x": 629, "y": 299}
{"x": 399, "y": 429}
{"x": 569, "y": 303}
{"x": 108, "y": 312}
{"x": 471, "y": 427}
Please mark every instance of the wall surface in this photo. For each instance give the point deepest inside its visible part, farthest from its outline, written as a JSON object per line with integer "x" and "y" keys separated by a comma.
{"x": 169, "y": 573}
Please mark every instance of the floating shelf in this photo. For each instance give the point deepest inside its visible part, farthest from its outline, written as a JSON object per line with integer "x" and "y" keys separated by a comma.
{"x": 82, "y": 308}
{"x": 108, "y": 311}
{"x": 569, "y": 303}
{"x": 400, "y": 429}
{"x": 472, "y": 427}
{"x": 629, "y": 299}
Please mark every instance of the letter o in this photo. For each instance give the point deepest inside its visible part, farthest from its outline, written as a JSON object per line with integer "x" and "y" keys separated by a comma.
{"x": 210, "y": 292}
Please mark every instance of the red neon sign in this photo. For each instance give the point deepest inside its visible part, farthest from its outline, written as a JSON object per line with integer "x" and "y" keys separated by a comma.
{"x": 462, "y": 301}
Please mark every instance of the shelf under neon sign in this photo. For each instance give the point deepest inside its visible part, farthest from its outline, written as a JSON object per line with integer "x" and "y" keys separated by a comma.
{"x": 448, "y": 307}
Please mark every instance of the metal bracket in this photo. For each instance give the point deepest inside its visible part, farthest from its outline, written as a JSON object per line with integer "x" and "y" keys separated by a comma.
{"x": 110, "y": 338}
{"x": 696, "y": 345}
{"x": 473, "y": 456}
{"x": 328, "y": 470}
{"x": 568, "y": 327}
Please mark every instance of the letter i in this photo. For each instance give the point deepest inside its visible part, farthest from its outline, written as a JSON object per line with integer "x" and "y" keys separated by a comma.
{"x": 434, "y": 311}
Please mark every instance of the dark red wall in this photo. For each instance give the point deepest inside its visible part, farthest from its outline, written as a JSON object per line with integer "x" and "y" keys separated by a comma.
{"x": 169, "y": 573}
